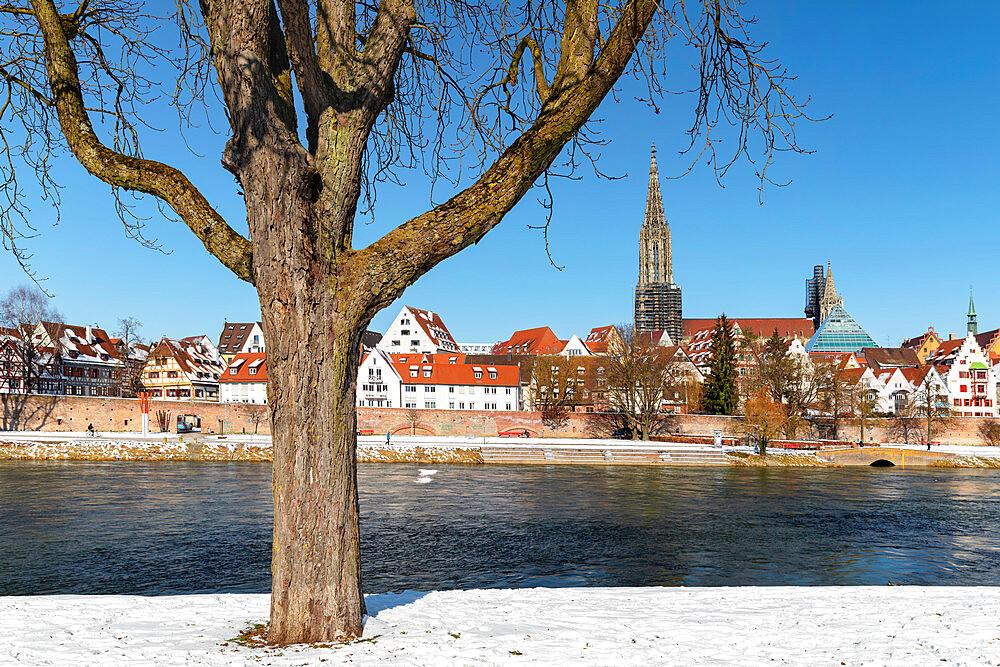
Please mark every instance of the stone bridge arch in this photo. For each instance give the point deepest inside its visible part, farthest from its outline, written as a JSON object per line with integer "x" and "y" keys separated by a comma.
{"x": 896, "y": 456}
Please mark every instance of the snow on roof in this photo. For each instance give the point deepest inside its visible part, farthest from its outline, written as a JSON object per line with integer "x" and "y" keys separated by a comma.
{"x": 243, "y": 363}
{"x": 434, "y": 327}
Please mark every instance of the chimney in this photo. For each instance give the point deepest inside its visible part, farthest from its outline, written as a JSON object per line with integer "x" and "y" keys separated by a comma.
{"x": 951, "y": 336}
{"x": 89, "y": 335}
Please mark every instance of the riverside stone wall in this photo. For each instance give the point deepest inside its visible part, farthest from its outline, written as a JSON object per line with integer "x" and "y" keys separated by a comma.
{"x": 110, "y": 415}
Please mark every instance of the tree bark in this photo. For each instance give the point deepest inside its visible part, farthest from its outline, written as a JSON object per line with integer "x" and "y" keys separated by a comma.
{"x": 315, "y": 564}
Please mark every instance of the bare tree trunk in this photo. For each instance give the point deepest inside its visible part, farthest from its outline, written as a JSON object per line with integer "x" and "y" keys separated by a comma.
{"x": 315, "y": 566}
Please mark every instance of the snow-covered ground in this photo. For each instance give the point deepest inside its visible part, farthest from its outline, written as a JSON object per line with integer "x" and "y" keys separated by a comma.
{"x": 602, "y": 626}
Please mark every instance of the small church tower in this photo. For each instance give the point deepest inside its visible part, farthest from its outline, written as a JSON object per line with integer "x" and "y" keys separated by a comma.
{"x": 973, "y": 327}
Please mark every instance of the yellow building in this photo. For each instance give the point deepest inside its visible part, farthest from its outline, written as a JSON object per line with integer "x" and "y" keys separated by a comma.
{"x": 186, "y": 369}
{"x": 925, "y": 344}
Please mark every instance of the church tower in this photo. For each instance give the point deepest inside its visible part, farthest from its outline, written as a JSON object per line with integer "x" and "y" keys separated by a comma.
{"x": 973, "y": 326}
{"x": 657, "y": 298}
{"x": 829, "y": 299}
{"x": 655, "y": 261}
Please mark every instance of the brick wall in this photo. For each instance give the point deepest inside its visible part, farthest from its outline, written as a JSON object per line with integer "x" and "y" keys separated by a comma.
{"x": 74, "y": 413}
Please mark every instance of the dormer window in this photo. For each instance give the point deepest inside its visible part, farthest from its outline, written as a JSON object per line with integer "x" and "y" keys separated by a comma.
{"x": 253, "y": 371}
{"x": 493, "y": 376}
{"x": 232, "y": 371}
{"x": 478, "y": 375}
{"x": 427, "y": 372}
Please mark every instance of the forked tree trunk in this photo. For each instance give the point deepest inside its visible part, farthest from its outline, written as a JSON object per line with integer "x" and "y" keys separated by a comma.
{"x": 315, "y": 564}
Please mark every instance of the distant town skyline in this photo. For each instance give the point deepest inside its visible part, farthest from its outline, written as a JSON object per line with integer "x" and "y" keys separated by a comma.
{"x": 906, "y": 161}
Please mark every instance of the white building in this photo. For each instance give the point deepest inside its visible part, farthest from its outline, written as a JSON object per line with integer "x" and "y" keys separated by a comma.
{"x": 415, "y": 330}
{"x": 971, "y": 380}
{"x": 476, "y": 348}
{"x": 245, "y": 380}
{"x": 575, "y": 347}
{"x": 895, "y": 387}
{"x": 435, "y": 382}
{"x": 239, "y": 337}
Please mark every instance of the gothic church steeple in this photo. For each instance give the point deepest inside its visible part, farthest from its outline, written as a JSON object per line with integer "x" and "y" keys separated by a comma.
{"x": 655, "y": 260}
{"x": 657, "y": 298}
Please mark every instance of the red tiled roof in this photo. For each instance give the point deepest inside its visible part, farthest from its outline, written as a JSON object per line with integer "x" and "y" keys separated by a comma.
{"x": 598, "y": 339}
{"x": 786, "y": 326}
{"x": 458, "y": 373}
{"x": 945, "y": 350}
{"x": 540, "y": 340}
{"x": 242, "y": 363}
{"x": 193, "y": 358}
{"x": 852, "y": 375}
{"x": 915, "y": 375}
{"x": 434, "y": 327}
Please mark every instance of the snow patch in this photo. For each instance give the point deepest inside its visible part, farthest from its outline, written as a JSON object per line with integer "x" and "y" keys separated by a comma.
{"x": 896, "y": 625}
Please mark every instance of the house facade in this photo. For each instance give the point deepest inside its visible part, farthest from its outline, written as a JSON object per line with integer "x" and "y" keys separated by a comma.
{"x": 969, "y": 375}
{"x": 418, "y": 331}
{"x": 184, "y": 369}
{"x": 241, "y": 337}
{"x": 245, "y": 379}
{"x": 88, "y": 360}
{"x": 436, "y": 382}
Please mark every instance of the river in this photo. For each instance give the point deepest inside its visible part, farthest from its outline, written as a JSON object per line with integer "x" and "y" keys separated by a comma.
{"x": 158, "y": 528}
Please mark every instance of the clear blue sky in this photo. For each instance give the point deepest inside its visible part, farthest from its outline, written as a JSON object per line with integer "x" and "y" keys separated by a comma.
{"x": 901, "y": 196}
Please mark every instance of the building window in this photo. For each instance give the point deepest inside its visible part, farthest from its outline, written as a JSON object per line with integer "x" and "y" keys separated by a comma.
{"x": 171, "y": 374}
{"x": 427, "y": 372}
{"x": 429, "y": 390}
{"x": 395, "y": 343}
{"x": 155, "y": 374}
{"x": 409, "y": 388}
{"x": 253, "y": 371}
{"x": 478, "y": 375}
{"x": 493, "y": 376}
{"x": 430, "y": 405}
{"x": 411, "y": 405}
{"x": 415, "y": 343}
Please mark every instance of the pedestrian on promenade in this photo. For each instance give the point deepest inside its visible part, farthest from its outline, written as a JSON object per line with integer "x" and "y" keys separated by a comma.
{"x": 90, "y": 429}
{"x": 387, "y": 438}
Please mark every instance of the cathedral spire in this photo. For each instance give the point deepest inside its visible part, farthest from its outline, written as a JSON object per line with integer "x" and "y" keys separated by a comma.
{"x": 829, "y": 298}
{"x": 655, "y": 217}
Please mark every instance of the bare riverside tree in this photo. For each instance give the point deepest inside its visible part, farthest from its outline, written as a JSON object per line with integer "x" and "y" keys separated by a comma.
{"x": 21, "y": 310}
{"x": 642, "y": 379}
{"x": 930, "y": 405}
{"x": 834, "y": 391}
{"x": 131, "y": 357}
{"x": 325, "y": 99}
{"x": 554, "y": 391}
{"x": 790, "y": 379}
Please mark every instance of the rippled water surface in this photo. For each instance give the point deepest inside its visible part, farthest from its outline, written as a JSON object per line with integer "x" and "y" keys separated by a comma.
{"x": 194, "y": 527}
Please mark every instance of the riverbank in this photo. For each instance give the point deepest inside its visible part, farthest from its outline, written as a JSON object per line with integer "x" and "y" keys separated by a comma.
{"x": 475, "y": 451}
{"x": 897, "y": 625}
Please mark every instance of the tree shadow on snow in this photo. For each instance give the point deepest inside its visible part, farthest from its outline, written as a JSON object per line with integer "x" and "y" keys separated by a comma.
{"x": 378, "y": 602}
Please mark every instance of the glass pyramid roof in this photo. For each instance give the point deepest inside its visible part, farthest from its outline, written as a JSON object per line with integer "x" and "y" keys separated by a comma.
{"x": 839, "y": 333}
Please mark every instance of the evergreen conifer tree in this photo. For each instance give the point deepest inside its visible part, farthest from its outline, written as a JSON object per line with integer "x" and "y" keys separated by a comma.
{"x": 720, "y": 397}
